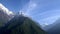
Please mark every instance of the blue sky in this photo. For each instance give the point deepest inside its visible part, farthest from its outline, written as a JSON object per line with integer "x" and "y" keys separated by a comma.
{"x": 45, "y": 12}
{"x": 14, "y": 5}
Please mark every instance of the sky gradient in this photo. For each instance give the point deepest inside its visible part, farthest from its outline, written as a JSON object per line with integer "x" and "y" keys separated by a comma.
{"x": 14, "y": 5}
{"x": 45, "y": 12}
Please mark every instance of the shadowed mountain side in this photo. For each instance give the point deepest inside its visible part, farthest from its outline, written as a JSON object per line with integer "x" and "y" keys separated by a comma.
{"x": 3, "y": 18}
{"x": 21, "y": 25}
{"x": 5, "y": 15}
{"x": 56, "y": 28}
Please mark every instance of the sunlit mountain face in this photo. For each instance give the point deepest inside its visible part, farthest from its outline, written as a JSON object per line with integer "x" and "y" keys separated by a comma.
{"x": 5, "y": 15}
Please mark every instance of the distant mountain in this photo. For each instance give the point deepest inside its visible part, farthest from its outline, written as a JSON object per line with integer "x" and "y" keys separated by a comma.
{"x": 22, "y": 25}
{"x": 56, "y": 28}
{"x": 3, "y": 18}
{"x": 5, "y": 15}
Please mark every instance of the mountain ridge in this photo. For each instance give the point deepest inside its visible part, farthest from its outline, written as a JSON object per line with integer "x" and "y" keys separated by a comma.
{"x": 56, "y": 28}
{"x": 5, "y": 15}
{"x": 26, "y": 26}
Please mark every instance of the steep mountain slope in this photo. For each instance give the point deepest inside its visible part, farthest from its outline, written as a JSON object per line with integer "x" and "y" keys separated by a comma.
{"x": 56, "y": 28}
{"x": 5, "y": 15}
{"x": 21, "y": 25}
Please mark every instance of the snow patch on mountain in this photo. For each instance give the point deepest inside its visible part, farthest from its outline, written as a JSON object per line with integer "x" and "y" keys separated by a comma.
{"x": 5, "y": 10}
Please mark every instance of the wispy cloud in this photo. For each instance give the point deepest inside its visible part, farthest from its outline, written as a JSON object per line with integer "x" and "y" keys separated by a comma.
{"x": 49, "y": 20}
{"x": 43, "y": 11}
{"x": 28, "y": 8}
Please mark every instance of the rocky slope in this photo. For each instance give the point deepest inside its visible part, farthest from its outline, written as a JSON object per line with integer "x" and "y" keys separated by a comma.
{"x": 22, "y": 25}
{"x": 5, "y": 15}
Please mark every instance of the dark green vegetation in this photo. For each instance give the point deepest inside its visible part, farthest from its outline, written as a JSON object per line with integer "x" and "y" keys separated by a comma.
{"x": 21, "y": 25}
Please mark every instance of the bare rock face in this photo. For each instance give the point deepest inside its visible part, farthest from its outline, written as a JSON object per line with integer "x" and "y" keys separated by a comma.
{"x": 5, "y": 15}
{"x": 3, "y": 18}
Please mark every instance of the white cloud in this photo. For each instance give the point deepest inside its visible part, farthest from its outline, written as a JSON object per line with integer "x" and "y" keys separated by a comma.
{"x": 8, "y": 12}
{"x": 48, "y": 17}
{"x": 32, "y": 5}
{"x": 27, "y": 9}
{"x": 46, "y": 24}
{"x": 47, "y": 21}
{"x": 24, "y": 14}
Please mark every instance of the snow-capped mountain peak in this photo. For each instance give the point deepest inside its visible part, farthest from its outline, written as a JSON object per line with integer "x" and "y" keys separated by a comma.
{"x": 5, "y": 10}
{"x": 5, "y": 15}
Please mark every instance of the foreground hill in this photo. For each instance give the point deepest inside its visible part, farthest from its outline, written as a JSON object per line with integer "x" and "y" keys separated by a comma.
{"x": 21, "y": 25}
